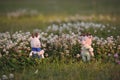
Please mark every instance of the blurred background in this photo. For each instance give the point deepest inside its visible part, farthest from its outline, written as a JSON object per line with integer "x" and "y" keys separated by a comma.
{"x": 31, "y": 14}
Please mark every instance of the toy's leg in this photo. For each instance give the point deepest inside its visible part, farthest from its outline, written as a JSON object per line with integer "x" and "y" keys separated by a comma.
{"x": 42, "y": 56}
{"x": 84, "y": 58}
{"x": 34, "y": 54}
{"x": 30, "y": 54}
{"x": 41, "y": 53}
{"x": 91, "y": 52}
{"x": 88, "y": 57}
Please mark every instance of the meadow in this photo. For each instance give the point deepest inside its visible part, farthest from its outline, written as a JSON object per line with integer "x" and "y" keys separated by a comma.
{"x": 59, "y": 23}
{"x": 22, "y": 15}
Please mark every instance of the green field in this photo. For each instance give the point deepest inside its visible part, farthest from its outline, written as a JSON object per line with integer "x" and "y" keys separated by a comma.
{"x": 63, "y": 6}
{"x": 59, "y": 18}
{"x": 48, "y": 10}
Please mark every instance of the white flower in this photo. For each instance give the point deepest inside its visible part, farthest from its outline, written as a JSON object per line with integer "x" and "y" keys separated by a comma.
{"x": 11, "y": 76}
{"x": 78, "y": 55}
{"x": 119, "y": 47}
{"x": 46, "y": 55}
{"x": 7, "y": 52}
{"x": 4, "y": 50}
{"x": 36, "y": 71}
{"x": 108, "y": 31}
{"x": 4, "y": 77}
{"x": 44, "y": 45}
{"x": 67, "y": 51}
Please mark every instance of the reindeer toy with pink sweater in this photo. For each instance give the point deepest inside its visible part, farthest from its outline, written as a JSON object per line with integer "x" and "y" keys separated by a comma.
{"x": 86, "y": 48}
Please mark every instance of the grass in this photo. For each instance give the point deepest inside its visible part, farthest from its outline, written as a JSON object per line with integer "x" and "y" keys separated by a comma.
{"x": 54, "y": 10}
{"x": 102, "y": 11}
{"x": 63, "y": 6}
{"x": 71, "y": 71}
{"x": 42, "y": 21}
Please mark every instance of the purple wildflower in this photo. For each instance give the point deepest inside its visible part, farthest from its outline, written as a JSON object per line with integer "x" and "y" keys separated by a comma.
{"x": 118, "y": 61}
{"x": 116, "y": 55}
